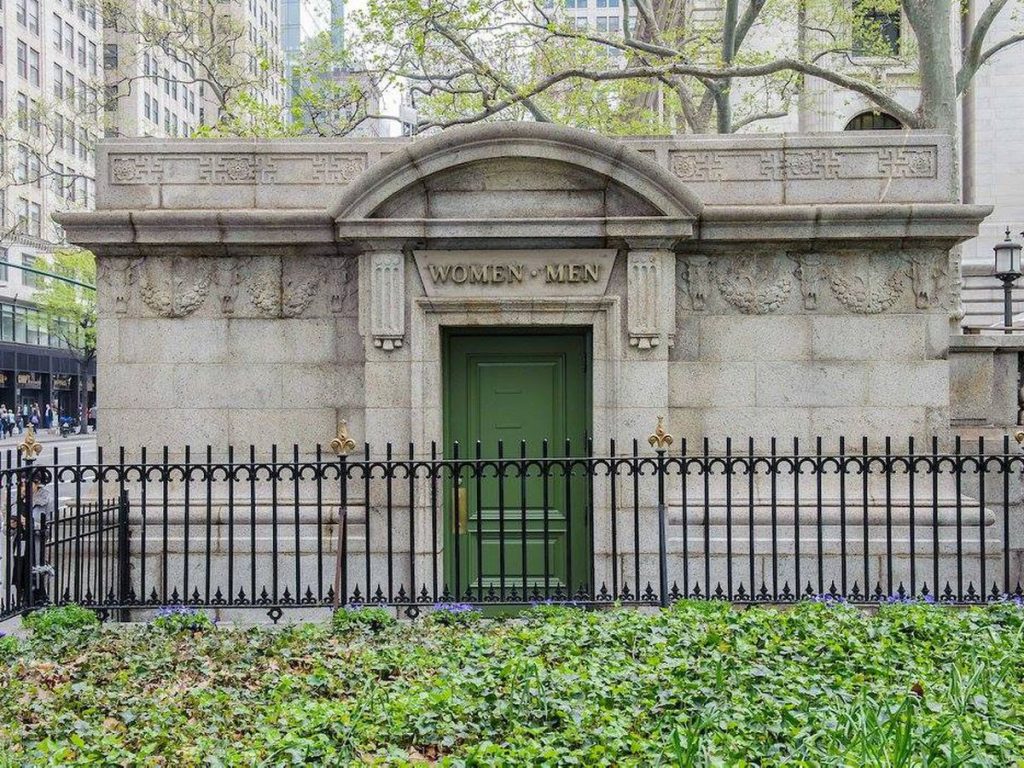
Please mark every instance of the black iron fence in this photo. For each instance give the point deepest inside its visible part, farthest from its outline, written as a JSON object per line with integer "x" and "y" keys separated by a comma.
{"x": 514, "y": 526}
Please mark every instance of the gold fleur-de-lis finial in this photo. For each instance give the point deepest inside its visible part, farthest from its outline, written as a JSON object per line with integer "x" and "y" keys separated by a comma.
{"x": 343, "y": 445}
{"x": 1019, "y": 436}
{"x": 661, "y": 439}
{"x": 30, "y": 447}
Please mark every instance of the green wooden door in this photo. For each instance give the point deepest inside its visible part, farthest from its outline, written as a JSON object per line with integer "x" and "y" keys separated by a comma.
{"x": 526, "y": 529}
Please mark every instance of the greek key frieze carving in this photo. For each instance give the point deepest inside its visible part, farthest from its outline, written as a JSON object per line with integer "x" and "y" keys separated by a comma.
{"x": 227, "y": 169}
{"x": 186, "y": 169}
{"x": 872, "y": 289}
{"x": 174, "y": 287}
{"x": 136, "y": 169}
{"x": 907, "y": 163}
{"x": 337, "y": 169}
{"x": 754, "y": 286}
{"x": 696, "y": 166}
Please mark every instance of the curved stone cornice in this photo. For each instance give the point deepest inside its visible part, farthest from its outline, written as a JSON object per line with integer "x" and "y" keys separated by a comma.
{"x": 418, "y": 161}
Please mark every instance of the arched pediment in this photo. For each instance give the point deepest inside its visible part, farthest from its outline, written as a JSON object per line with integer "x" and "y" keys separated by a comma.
{"x": 478, "y": 181}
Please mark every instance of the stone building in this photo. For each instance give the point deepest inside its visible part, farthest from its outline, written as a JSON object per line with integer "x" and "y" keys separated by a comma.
{"x": 525, "y": 282}
{"x": 767, "y": 286}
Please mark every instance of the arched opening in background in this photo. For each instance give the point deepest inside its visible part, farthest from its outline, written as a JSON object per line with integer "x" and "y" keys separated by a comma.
{"x": 874, "y": 121}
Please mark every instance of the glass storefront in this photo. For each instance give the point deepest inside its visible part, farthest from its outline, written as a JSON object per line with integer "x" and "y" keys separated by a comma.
{"x": 27, "y": 325}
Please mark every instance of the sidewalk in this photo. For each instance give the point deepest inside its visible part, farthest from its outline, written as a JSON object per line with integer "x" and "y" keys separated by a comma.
{"x": 46, "y": 438}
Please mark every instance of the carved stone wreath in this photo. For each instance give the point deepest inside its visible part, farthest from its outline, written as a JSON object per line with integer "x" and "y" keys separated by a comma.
{"x": 754, "y": 288}
{"x": 870, "y": 292}
{"x": 265, "y": 292}
{"x": 168, "y": 292}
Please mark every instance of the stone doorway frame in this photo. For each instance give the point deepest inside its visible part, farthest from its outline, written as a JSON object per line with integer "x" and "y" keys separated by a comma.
{"x": 430, "y": 316}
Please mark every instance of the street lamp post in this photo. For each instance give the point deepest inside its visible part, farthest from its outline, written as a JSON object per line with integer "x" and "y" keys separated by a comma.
{"x": 1007, "y": 269}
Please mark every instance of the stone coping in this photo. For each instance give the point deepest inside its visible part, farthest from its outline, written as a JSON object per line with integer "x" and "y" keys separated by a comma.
{"x": 987, "y": 343}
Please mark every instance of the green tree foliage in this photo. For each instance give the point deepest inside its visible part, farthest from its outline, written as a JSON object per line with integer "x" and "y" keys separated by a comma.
{"x": 71, "y": 309}
{"x": 665, "y": 67}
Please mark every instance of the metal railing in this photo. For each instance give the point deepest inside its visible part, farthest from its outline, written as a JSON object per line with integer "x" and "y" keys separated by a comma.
{"x": 510, "y": 527}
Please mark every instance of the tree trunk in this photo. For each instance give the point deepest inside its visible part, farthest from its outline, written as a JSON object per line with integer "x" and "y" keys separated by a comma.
{"x": 723, "y": 100}
{"x": 83, "y": 397}
{"x": 932, "y": 22}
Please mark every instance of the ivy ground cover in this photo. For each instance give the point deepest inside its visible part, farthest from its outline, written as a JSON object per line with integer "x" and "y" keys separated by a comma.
{"x": 697, "y": 684}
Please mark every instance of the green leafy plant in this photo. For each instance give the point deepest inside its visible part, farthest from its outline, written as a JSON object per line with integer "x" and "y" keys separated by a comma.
{"x": 8, "y": 647}
{"x": 177, "y": 618}
{"x": 356, "y": 618}
{"x": 51, "y": 621}
{"x": 699, "y": 684}
{"x": 454, "y": 614}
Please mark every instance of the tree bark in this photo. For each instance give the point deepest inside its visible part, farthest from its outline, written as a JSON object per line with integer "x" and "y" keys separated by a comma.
{"x": 931, "y": 21}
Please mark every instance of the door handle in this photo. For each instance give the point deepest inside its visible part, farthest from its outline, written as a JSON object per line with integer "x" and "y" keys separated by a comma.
{"x": 461, "y": 511}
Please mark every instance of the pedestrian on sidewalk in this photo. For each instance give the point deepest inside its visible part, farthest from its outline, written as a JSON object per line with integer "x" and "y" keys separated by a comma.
{"x": 24, "y": 577}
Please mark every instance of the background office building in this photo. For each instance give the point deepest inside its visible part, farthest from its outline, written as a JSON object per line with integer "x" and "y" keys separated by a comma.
{"x": 50, "y": 117}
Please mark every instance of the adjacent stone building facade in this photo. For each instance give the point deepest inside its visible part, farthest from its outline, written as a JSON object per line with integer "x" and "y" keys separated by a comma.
{"x": 786, "y": 286}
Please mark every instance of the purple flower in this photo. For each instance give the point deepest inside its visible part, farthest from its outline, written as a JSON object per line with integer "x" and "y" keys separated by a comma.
{"x": 454, "y": 607}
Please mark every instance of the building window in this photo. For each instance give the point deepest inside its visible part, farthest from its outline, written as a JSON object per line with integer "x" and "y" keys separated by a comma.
{"x": 35, "y": 218}
{"x": 33, "y": 67}
{"x": 33, "y": 16}
{"x": 876, "y": 28}
{"x": 22, "y": 60}
{"x": 110, "y": 56}
{"x": 874, "y": 121}
{"x": 28, "y": 278}
{"x": 22, "y": 214}
{"x": 58, "y": 33}
{"x": 23, "y": 111}
{"x": 58, "y": 81}
{"x": 3, "y": 265}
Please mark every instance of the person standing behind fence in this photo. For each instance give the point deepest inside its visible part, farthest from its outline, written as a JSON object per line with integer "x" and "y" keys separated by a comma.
{"x": 23, "y": 575}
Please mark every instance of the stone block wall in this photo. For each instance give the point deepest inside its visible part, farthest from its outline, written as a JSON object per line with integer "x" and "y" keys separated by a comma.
{"x": 214, "y": 350}
{"x": 783, "y": 344}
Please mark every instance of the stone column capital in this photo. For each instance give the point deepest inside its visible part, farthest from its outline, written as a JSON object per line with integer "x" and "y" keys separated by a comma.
{"x": 647, "y": 244}
{"x": 381, "y": 245}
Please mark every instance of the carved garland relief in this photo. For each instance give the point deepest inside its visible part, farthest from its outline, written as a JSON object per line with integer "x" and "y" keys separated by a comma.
{"x": 862, "y": 285}
{"x": 261, "y": 286}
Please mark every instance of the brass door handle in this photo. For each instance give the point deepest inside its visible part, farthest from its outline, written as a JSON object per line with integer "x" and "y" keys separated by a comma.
{"x": 461, "y": 512}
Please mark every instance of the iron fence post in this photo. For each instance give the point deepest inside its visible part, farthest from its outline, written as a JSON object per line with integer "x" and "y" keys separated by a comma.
{"x": 123, "y": 555}
{"x": 660, "y": 440}
{"x": 662, "y": 533}
{"x": 28, "y": 450}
